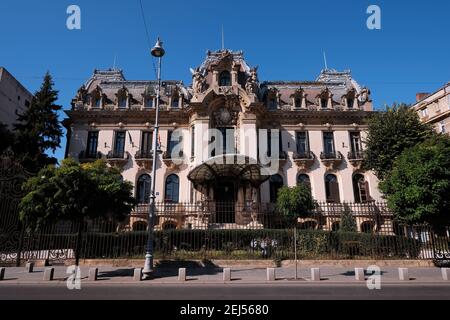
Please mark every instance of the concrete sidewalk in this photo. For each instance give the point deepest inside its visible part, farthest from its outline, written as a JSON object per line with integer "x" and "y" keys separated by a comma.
{"x": 211, "y": 275}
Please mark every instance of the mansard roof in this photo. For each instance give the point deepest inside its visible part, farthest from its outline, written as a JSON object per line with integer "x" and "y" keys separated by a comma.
{"x": 338, "y": 83}
{"x": 332, "y": 83}
{"x": 112, "y": 80}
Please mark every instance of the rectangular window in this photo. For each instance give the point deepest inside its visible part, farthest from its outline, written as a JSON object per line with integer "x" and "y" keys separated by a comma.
{"x": 193, "y": 141}
{"x": 149, "y": 102}
{"x": 328, "y": 143}
{"x": 355, "y": 140}
{"x": 302, "y": 143}
{"x": 175, "y": 103}
{"x": 97, "y": 102}
{"x": 119, "y": 144}
{"x": 272, "y": 104}
{"x": 146, "y": 143}
{"x": 122, "y": 103}
{"x": 442, "y": 126}
{"x": 270, "y": 142}
{"x": 350, "y": 103}
{"x": 92, "y": 144}
{"x": 171, "y": 142}
{"x": 425, "y": 112}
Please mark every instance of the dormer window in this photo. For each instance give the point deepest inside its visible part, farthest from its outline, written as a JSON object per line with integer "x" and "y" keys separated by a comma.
{"x": 149, "y": 102}
{"x": 323, "y": 103}
{"x": 350, "y": 103}
{"x": 122, "y": 102}
{"x": 122, "y": 98}
{"x": 97, "y": 102}
{"x": 298, "y": 102}
{"x": 175, "y": 102}
{"x": 96, "y": 98}
{"x": 272, "y": 103}
{"x": 225, "y": 79}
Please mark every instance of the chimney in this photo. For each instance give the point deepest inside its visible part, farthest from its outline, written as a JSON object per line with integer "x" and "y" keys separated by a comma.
{"x": 421, "y": 96}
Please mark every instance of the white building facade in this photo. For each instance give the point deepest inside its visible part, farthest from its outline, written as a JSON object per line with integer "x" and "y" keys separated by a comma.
{"x": 316, "y": 129}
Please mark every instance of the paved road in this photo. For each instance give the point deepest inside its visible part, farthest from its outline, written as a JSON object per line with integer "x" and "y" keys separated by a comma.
{"x": 291, "y": 291}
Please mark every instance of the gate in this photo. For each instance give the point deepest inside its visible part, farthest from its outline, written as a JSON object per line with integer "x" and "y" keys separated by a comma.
{"x": 12, "y": 176}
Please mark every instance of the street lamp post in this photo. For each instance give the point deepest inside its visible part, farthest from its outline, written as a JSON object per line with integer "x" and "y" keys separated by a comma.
{"x": 158, "y": 52}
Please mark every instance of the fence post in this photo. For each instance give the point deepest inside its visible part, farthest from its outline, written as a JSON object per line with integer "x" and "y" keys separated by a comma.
{"x": 19, "y": 249}
{"x": 78, "y": 245}
{"x": 295, "y": 253}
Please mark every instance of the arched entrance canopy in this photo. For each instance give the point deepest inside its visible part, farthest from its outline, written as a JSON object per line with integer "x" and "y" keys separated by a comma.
{"x": 235, "y": 166}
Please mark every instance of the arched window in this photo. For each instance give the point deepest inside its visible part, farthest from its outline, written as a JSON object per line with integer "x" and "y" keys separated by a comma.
{"x": 225, "y": 79}
{"x": 367, "y": 226}
{"x": 332, "y": 188}
{"x": 143, "y": 189}
{"x": 140, "y": 226}
{"x": 335, "y": 226}
{"x": 360, "y": 188}
{"x": 169, "y": 225}
{"x": 276, "y": 183}
{"x": 303, "y": 179}
{"x": 172, "y": 193}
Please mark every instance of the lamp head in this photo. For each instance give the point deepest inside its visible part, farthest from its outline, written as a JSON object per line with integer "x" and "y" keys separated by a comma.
{"x": 158, "y": 51}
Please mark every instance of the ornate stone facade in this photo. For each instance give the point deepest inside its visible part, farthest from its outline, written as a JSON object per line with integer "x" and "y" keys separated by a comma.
{"x": 318, "y": 124}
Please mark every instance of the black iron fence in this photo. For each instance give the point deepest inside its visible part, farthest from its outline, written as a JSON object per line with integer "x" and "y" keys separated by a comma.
{"x": 210, "y": 230}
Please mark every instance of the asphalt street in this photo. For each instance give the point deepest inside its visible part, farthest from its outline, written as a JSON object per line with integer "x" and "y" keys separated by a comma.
{"x": 290, "y": 291}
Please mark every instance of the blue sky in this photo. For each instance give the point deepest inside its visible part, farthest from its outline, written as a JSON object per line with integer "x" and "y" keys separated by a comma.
{"x": 286, "y": 39}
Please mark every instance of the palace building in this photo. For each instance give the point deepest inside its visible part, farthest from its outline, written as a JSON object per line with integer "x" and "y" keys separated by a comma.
{"x": 228, "y": 141}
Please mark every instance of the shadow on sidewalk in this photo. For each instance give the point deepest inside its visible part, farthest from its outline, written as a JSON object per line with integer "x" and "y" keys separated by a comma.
{"x": 169, "y": 268}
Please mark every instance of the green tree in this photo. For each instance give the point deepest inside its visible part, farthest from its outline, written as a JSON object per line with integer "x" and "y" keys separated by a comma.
{"x": 348, "y": 222}
{"x": 418, "y": 188}
{"x": 295, "y": 202}
{"x": 389, "y": 134}
{"x": 74, "y": 192}
{"x": 6, "y": 137}
{"x": 38, "y": 129}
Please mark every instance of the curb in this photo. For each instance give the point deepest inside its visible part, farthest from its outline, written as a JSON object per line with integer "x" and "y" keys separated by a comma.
{"x": 134, "y": 263}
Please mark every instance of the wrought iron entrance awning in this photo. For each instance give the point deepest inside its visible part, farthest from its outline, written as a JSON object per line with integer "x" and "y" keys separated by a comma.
{"x": 234, "y": 166}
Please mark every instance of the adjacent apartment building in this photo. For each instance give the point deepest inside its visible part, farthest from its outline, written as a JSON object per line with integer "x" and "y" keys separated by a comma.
{"x": 434, "y": 108}
{"x": 14, "y": 97}
{"x": 271, "y": 133}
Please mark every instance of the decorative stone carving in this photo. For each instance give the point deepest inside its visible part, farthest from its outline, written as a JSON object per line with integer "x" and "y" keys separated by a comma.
{"x": 224, "y": 117}
{"x": 81, "y": 94}
{"x": 252, "y": 83}
{"x": 199, "y": 81}
{"x": 364, "y": 95}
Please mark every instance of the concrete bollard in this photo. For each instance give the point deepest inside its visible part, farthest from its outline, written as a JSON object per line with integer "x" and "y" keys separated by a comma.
{"x": 182, "y": 274}
{"x": 403, "y": 274}
{"x": 271, "y": 274}
{"x": 48, "y": 274}
{"x": 29, "y": 267}
{"x": 2, "y": 274}
{"x": 359, "y": 274}
{"x": 445, "y": 272}
{"x": 226, "y": 274}
{"x": 315, "y": 274}
{"x": 93, "y": 274}
{"x": 137, "y": 274}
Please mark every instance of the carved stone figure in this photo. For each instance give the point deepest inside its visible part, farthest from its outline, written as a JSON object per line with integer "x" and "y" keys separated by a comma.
{"x": 199, "y": 81}
{"x": 82, "y": 94}
{"x": 252, "y": 83}
{"x": 364, "y": 95}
